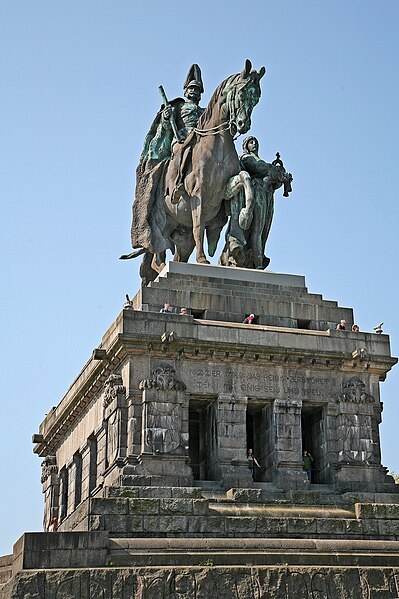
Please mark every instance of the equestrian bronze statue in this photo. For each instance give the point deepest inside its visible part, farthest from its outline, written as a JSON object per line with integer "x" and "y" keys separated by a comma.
{"x": 189, "y": 168}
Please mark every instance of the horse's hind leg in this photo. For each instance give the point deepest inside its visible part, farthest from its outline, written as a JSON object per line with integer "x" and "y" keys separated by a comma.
{"x": 184, "y": 244}
{"x": 198, "y": 229}
{"x": 158, "y": 261}
{"x": 147, "y": 273}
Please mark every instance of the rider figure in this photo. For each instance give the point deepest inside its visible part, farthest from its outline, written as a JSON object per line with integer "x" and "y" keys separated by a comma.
{"x": 186, "y": 115}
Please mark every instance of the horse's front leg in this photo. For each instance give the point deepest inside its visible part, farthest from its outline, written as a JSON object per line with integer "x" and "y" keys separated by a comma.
{"x": 198, "y": 229}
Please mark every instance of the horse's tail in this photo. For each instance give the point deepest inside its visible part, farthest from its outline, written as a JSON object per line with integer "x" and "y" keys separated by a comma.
{"x": 133, "y": 254}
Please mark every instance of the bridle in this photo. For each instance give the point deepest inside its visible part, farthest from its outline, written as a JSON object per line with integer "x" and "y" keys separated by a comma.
{"x": 231, "y": 124}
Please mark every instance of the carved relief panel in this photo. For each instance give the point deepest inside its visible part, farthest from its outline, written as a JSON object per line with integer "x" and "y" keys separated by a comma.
{"x": 354, "y": 423}
{"x": 163, "y": 399}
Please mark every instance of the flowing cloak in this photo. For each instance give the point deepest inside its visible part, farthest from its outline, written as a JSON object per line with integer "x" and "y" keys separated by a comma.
{"x": 149, "y": 217}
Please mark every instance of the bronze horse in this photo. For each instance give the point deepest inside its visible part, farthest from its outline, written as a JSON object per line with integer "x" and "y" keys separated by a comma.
{"x": 211, "y": 175}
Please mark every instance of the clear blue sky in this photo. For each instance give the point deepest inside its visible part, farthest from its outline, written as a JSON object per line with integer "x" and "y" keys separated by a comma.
{"x": 79, "y": 90}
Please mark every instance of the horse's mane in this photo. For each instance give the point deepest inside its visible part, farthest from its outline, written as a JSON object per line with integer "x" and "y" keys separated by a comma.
{"x": 217, "y": 94}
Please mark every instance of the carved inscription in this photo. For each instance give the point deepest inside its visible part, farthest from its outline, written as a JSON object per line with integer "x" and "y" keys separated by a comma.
{"x": 266, "y": 383}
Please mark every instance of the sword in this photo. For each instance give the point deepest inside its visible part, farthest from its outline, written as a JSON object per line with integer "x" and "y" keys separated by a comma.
{"x": 172, "y": 119}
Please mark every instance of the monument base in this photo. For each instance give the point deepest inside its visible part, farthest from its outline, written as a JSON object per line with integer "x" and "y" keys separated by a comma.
{"x": 146, "y": 460}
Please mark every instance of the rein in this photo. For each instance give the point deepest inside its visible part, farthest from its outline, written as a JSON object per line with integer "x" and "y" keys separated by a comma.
{"x": 226, "y": 125}
{"x": 213, "y": 130}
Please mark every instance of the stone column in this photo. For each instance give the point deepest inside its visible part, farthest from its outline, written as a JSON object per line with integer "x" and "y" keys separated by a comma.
{"x": 231, "y": 415}
{"x": 134, "y": 417}
{"x": 70, "y": 487}
{"x": 102, "y": 451}
{"x": 331, "y": 454}
{"x": 86, "y": 460}
{"x": 74, "y": 482}
{"x": 289, "y": 473}
{"x": 115, "y": 417}
{"x": 63, "y": 495}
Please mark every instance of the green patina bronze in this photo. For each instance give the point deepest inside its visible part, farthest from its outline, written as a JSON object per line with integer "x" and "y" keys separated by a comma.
{"x": 249, "y": 225}
{"x": 190, "y": 179}
{"x": 188, "y": 168}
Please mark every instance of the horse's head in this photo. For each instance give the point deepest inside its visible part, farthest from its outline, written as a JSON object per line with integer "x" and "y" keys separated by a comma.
{"x": 242, "y": 94}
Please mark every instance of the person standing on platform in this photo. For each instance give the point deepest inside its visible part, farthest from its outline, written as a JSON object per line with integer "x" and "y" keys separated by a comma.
{"x": 167, "y": 309}
{"x": 252, "y": 463}
{"x": 307, "y": 464}
{"x": 249, "y": 319}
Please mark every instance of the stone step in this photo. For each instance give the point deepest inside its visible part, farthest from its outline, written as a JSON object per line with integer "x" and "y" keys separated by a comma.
{"x": 271, "y": 487}
{"x": 208, "y": 484}
{"x": 250, "y": 293}
{"x": 251, "y": 510}
{"x": 320, "y": 488}
{"x": 241, "y": 551}
{"x": 215, "y": 283}
{"x": 237, "y": 288}
{"x": 278, "y": 285}
{"x": 253, "y": 293}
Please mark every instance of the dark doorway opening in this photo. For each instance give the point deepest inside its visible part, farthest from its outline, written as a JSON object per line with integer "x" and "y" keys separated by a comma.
{"x": 199, "y": 314}
{"x": 314, "y": 440}
{"x": 203, "y": 446}
{"x": 303, "y": 324}
{"x": 260, "y": 438}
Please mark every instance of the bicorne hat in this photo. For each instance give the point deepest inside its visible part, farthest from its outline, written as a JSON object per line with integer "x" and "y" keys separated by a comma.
{"x": 194, "y": 78}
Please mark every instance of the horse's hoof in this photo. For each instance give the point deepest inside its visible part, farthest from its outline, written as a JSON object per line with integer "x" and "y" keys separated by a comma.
{"x": 203, "y": 261}
{"x": 265, "y": 263}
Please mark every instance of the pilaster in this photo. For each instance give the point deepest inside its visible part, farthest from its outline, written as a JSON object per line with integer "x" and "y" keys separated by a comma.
{"x": 232, "y": 447}
{"x": 289, "y": 473}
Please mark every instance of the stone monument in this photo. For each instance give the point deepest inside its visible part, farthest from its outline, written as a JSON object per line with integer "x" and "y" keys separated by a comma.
{"x": 173, "y": 466}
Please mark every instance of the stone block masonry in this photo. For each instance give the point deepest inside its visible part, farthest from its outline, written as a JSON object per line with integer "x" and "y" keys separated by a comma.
{"x": 145, "y": 459}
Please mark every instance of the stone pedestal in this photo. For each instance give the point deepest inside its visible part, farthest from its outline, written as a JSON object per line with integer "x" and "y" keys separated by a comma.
{"x": 148, "y": 451}
{"x": 173, "y": 399}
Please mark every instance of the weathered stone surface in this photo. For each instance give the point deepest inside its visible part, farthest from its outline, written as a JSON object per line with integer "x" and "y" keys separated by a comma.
{"x": 176, "y": 506}
{"x": 375, "y": 510}
{"x": 116, "y": 506}
{"x": 159, "y": 462}
{"x": 144, "y": 506}
{"x": 279, "y": 582}
{"x": 245, "y": 495}
{"x": 49, "y": 550}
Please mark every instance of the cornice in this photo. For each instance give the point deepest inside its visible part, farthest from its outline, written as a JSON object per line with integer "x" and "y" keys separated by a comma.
{"x": 93, "y": 376}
